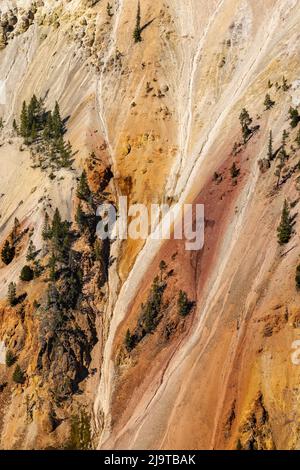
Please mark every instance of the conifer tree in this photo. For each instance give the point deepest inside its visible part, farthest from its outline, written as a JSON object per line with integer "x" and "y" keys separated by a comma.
{"x": 129, "y": 341}
{"x": 137, "y": 36}
{"x": 46, "y": 231}
{"x": 57, "y": 123}
{"x": 7, "y": 253}
{"x": 24, "y": 128}
{"x": 270, "y": 147}
{"x": 80, "y": 217}
{"x": 15, "y": 127}
{"x": 83, "y": 190}
{"x": 12, "y": 293}
{"x": 246, "y": 122}
{"x": 268, "y": 103}
{"x": 294, "y": 117}
{"x": 31, "y": 252}
{"x": 285, "y": 228}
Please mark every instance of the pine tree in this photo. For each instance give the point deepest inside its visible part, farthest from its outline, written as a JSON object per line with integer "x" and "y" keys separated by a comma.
{"x": 245, "y": 121}
{"x": 65, "y": 152}
{"x": 83, "y": 190}
{"x": 15, "y": 127}
{"x": 80, "y": 217}
{"x": 137, "y": 31}
{"x": 7, "y": 253}
{"x": 24, "y": 128}
{"x": 31, "y": 252}
{"x": 268, "y": 103}
{"x": 12, "y": 294}
{"x": 48, "y": 129}
{"x": 57, "y": 123}
{"x": 129, "y": 341}
{"x": 1, "y": 123}
{"x": 52, "y": 268}
{"x": 270, "y": 147}
{"x": 294, "y": 117}
{"x": 26, "y": 274}
{"x": 285, "y": 228}
{"x": 46, "y": 231}
{"x": 184, "y": 306}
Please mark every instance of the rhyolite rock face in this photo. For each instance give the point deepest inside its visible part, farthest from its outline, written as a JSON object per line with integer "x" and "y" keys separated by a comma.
{"x": 158, "y": 122}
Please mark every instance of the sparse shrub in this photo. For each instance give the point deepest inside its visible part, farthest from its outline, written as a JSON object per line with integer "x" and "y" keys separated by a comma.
{"x": 9, "y": 358}
{"x": 234, "y": 171}
{"x": 184, "y": 305}
{"x": 18, "y": 375}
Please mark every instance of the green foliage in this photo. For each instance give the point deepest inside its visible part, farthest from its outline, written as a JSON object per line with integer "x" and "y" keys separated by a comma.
{"x": 46, "y": 231}
{"x": 59, "y": 235}
{"x": 270, "y": 147}
{"x": 137, "y": 33}
{"x": 83, "y": 190}
{"x": 294, "y": 117}
{"x": 183, "y": 303}
{"x": 285, "y": 228}
{"x": 80, "y": 433}
{"x": 15, "y": 127}
{"x": 11, "y": 294}
{"x": 26, "y": 274}
{"x": 47, "y": 128}
{"x": 7, "y": 253}
{"x": 246, "y": 122}
{"x": 1, "y": 123}
{"x": 80, "y": 217}
{"x": 129, "y": 341}
{"x": 31, "y": 252}
{"x": 9, "y": 358}
{"x": 297, "y": 277}
{"x": 18, "y": 375}
{"x": 268, "y": 103}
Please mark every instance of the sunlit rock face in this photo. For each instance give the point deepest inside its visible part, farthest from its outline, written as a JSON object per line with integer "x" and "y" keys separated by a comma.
{"x": 156, "y": 121}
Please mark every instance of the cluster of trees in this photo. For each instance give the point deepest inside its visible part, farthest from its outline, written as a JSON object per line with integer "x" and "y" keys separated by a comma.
{"x": 294, "y": 117}
{"x": 246, "y": 121}
{"x": 150, "y": 315}
{"x": 7, "y": 252}
{"x": 45, "y": 128}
